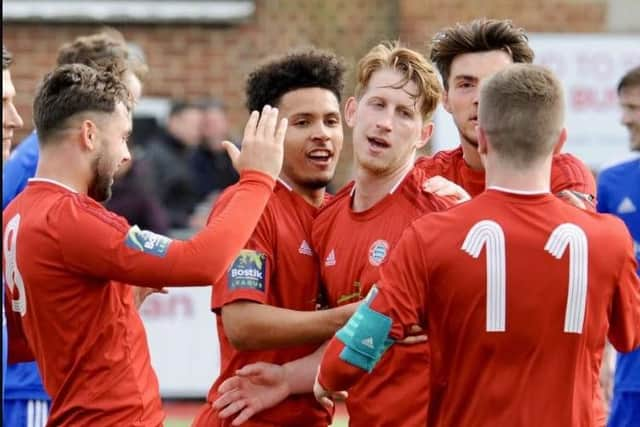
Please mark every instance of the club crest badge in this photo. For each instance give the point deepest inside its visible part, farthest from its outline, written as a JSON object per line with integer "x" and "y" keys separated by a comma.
{"x": 378, "y": 252}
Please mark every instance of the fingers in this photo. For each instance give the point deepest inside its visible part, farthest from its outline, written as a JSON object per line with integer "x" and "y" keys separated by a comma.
{"x": 229, "y": 384}
{"x": 414, "y": 339}
{"x": 250, "y": 370}
{"x": 244, "y": 416}
{"x": 281, "y": 131}
{"x": 232, "y": 152}
{"x": 267, "y": 125}
{"x": 444, "y": 188}
{"x": 250, "y": 128}
{"x": 572, "y": 199}
{"x": 232, "y": 408}
{"x": 326, "y": 402}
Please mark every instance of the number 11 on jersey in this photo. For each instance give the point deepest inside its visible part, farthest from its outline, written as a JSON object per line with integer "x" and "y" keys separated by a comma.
{"x": 489, "y": 235}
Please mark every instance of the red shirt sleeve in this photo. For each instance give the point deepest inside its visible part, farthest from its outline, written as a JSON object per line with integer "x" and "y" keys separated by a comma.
{"x": 570, "y": 173}
{"x": 624, "y": 314}
{"x": 18, "y": 348}
{"x": 401, "y": 296}
{"x": 100, "y": 244}
{"x": 249, "y": 276}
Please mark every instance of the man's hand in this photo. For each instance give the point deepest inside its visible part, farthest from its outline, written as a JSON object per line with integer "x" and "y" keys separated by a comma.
{"x": 326, "y": 397}
{"x": 577, "y": 199}
{"x": 444, "y": 188}
{"x": 141, "y": 293}
{"x": 416, "y": 335}
{"x": 254, "y": 388}
{"x": 262, "y": 144}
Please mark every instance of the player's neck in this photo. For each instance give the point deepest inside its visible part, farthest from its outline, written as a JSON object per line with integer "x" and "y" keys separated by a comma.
{"x": 471, "y": 155}
{"x": 370, "y": 188}
{"x": 513, "y": 177}
{"x": 55, "y": 167}
{"x": 313, "y": 196}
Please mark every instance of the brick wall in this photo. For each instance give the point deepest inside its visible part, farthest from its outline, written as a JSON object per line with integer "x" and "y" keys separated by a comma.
{"x": 190, "y": 61}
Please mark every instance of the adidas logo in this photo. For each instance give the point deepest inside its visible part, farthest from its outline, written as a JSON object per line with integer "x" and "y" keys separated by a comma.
{"x": 626, "y": 206}
{"x": 305, "y": 249}
{"x": 367, "y": 342}
{"x": 331, "y": 259}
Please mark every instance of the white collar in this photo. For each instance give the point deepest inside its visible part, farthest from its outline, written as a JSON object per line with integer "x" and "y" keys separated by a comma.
{"x": 521, "y": 192}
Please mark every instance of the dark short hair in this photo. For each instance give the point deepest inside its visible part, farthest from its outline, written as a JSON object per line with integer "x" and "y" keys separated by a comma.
{"x": 7, "y": 58}
{"x": 75, "y": 89}
{"x": 297, "y": 70}
{"x": 630, "y": 79}
{"x": 106, "y": 49}
{"x": 178, "y": 106}
{"x": 480, "y": 35}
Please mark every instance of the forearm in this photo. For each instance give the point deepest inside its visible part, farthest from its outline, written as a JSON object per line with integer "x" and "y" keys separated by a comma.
{"x": 301, "y": 373}
{"x": 206, "y": 257}
{"x": 253, "y": 326}
{"x": 334, "y": 373}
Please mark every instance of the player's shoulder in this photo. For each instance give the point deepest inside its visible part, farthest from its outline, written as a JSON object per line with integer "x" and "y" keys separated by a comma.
{"x": 411, "y": 189}
{"x": 620, "y": 167}
{"x": 569, "y": 164}
{"x": 440, "y": 161}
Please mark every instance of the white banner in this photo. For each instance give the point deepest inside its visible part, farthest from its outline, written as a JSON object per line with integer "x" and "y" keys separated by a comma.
{"x": 183, "y": 341}
{"x": 590, "y": 67}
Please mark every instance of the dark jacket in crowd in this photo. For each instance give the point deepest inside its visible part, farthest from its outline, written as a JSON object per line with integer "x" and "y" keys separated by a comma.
{"x": 173, "y": 180}
{"x": 213, "y": 171}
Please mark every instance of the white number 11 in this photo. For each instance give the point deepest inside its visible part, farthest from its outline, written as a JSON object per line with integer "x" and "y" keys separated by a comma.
{"x": 489, "y": 234}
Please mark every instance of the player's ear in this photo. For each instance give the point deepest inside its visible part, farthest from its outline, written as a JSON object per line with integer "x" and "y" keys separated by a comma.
{"x": 425, "y": 134}
{"x": 562, "y": 138}
{"x": 88, "y": 134}
{"x": 445, "y": 101}
{"x": 350, "y": 108}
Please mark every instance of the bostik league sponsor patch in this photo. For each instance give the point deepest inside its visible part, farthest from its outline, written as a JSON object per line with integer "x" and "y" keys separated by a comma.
{"x": 147, "y": 241}
{"x": 248, "y": 271}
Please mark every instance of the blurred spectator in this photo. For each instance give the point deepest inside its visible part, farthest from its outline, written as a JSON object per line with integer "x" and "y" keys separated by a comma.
{"x": 133, "y": 198}
{"x": 210, "y": 163}
{"x": 167, "y": 158}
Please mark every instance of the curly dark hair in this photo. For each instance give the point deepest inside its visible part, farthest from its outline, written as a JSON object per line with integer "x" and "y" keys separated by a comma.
{"x": 301, "y": 69}
{"x": 74, "y": 89}
{"x": 479, "y": 35}
{"x": 7, "y": 58}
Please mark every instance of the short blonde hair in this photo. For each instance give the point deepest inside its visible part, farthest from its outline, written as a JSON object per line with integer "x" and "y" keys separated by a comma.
{"x": 521, "y": 109}
{"x": 413, "y": 65}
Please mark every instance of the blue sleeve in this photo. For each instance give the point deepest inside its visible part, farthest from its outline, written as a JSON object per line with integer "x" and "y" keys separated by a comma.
{"x": 603, "y": 192}
{"x": 19, "y": 168}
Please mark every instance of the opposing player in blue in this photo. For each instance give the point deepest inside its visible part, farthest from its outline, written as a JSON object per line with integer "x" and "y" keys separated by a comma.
{"x": 10, "y": 121}
{"x": 27, "y": 403}
{"x": 619, "y": 194}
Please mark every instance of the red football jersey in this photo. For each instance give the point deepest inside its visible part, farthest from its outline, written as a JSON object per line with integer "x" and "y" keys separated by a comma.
{"x": 351, "y": 246}
{"x": 278, "y": 268}
{"x": 567, "y": 172}
{"x": 65, "y": 258}
{"x": 517, "y": 294}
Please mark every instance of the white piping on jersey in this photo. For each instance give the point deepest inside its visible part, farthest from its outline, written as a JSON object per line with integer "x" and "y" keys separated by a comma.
{"x": 51, "y": 181}
{"x": 523, "y": 192}
{"x": 287, "y": 186}
{"x": 393, "y": 189}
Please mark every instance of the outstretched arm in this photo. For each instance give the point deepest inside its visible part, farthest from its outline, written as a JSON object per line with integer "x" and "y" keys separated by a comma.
{"x": 253, "y": 326}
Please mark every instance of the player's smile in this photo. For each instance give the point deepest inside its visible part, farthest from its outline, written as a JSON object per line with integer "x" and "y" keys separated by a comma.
{"x": 322, "y": 157}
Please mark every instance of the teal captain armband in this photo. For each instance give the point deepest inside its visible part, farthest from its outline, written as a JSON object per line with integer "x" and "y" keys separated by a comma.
{"x": 365, "y": 337}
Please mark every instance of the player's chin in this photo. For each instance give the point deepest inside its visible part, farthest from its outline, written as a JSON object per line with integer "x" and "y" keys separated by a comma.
{"x": 318, "y": 181}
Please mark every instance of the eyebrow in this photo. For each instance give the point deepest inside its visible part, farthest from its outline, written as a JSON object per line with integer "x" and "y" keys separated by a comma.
{"x": 465, "y": 77}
